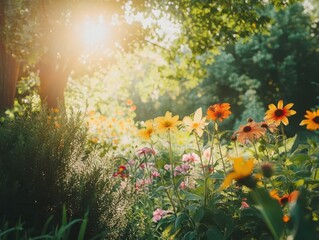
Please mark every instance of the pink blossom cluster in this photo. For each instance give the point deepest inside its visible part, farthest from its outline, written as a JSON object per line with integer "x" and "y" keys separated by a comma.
{"x": 190, "y": 158}
{"x": 158, "y": 214}
{"x": 146, "y": 151}
{"x": 181, "y": 169}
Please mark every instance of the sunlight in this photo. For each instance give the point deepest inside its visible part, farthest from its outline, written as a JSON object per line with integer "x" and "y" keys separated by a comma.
{"x": 93, "y": 32}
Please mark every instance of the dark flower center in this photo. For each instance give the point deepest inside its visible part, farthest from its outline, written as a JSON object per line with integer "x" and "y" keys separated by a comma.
{"x": 279, "y": 113}
{"x": 247, "y": 129}
{"x": 284, "y": 200}
{"x": 167, "y": 124}
{"x": 264, "y": 125}
{"x": 219, "y": 115}
{"x": 316, "y": 119}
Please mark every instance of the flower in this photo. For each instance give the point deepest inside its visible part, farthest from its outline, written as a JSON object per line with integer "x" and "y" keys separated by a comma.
{"x": 279, "y": 114}
{"x": 271, "y": 127}
{"x": 241, "y": 170}
{"x": 197, "y": 125}
{"x": 146, "y": 151}
{"x": 286, "y": 198}
{"x": 244, "y": 205}
{"x": 121, "y": 171}
{"x": 190, "y": 158}
{"x": 168, "y": 122}
{"x": 312, "y": 120}
{"x": 181, "y": 169}
{"x": 158, "y": 214}
{"x": 167, "y": 167}
{"x": 155, "y": 174}
{"x": 249, "y": 132}
{"x": 147, "y": 132}
{"x": 218, "y": 111}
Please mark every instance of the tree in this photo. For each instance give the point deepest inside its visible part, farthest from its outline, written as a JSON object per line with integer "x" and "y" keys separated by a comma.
{"x": 40, "y": 32}
{"x": 279, "y": 65}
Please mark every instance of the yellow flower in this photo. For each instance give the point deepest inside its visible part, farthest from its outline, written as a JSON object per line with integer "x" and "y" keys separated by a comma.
{"x": 279, "y": 114}
{"x": 197, "y": 125}
{"x": 168, "y": 122}
{"x": 241, "y": 170}
{"x": 147, "y": 132}
{"x": 312, "y": 120}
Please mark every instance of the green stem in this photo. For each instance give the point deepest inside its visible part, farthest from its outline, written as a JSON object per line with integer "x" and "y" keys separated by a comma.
{"x": 219, "y": 148}
{"x": 203, "y": 169}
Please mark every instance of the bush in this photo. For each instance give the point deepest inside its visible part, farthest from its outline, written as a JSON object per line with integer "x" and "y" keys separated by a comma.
{"x": 45, "y": 164}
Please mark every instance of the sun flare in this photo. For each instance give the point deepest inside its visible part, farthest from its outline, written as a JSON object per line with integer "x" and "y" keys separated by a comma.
{"x": 93, "y": 32}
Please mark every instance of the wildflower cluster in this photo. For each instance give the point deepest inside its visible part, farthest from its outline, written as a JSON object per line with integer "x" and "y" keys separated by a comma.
{"x": 208, "y": 187}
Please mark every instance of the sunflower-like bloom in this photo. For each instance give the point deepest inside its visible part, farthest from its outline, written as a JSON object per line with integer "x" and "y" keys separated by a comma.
{"x": 279, "y": 114}
{"x": 312, "y": 120}
{"x": 198, "y": 124}
{"x": 249, "y": 132}
{"x": 218, "y": 111}
{"x": 167, "y": 123}
{"x": 286, "y": 198}
{"x": 147, "y": 132}
{"x": 242, "y": 169}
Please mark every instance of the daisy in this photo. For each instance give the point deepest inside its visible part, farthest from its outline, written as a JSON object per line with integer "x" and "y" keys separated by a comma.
{"x": 279, "y": 114}
{"x": 312, "y": 120}
{"x": 198, "y": 124}
{"x": 167, "y": 123}
{"x": 249, "y": 132}
{"x": 218, "y": 111}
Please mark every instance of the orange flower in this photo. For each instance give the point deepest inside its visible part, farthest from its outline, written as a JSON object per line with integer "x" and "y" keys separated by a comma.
{"x": 249, "y": 132}
{"x": 168, "y": 122}
{"x": 218, "y": 111}
{"x": 285, "y": 218}
{"x": 286, "y": 198}
{"x": 312, "y": 120}
{"x": 147, "y": 132}
{"x": 279, "y": 114}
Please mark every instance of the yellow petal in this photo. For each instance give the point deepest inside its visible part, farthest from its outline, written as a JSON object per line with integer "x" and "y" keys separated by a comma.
{"x": 228, "y": 180}
{"x": 289, "y": 105}
{"x": 292, "y": 112}
{"x": 280, "y": 104}
{"x": 272, "y": 107}
{"x": 285, "y": 121}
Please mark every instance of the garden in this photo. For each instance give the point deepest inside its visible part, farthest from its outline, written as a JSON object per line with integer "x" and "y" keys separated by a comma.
{"x": 157, "y": 119}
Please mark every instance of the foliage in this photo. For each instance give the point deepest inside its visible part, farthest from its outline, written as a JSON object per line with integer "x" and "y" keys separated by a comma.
{"x": 61, "y": 231}
{"x": 46, "y": 165}
{"x": 188, "y": 191}
{"x": 281, "y": 63}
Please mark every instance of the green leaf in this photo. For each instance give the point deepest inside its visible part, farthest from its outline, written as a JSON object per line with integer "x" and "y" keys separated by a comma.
{"x": 300, "y": 158}
{"x": 199, "y": 214}
{"x": 181, "y": 218}
{"x": 217, "y": 176}
{"x": 214, "y": 234}
{"x": 270, "y": 211}
{"x": 191, "y": 196}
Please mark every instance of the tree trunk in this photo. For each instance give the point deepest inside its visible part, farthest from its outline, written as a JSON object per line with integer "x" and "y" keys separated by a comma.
{"x": 53, "y": 75}
{"x": 9, "y": 70}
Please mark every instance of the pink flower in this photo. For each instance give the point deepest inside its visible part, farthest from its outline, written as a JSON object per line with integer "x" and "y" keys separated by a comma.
{"x": 182, "y": 185}
{"x": 181, "y": 169}
{"x": 155, "y": 174}
{"x": 167, "y": 167}
{"x": 206, "y": 153}
{"x": 190, "y": 158}
{"x": 145, "y": 151}
{"x": 244, "y": 205}
{"x": 158, "y": 214}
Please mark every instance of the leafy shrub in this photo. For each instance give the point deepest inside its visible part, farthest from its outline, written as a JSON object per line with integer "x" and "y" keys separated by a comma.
{"x": 45, "y": 164}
